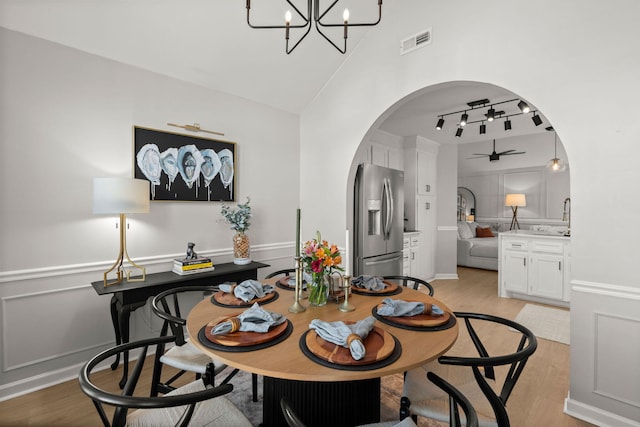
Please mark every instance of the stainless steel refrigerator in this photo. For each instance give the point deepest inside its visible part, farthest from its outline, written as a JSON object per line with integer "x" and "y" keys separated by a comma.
{"x": 378, "y": 221}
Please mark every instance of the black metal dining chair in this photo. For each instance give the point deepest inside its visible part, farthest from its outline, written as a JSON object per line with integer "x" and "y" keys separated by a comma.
{"x": 476, "y": 376}
{"x": 412, "y": 282}
{"x": 195, "y": 403}
{"x": 183, "y": 355}
{"x": 284, "y": 272}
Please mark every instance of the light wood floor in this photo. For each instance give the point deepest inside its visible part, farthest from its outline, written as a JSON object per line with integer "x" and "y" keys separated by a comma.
{"x": 537, "y": 399}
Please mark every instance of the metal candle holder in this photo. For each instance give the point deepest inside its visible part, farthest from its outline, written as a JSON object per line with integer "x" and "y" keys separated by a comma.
{"x": 345, "y": 306}
{"x": 297, "y": 307}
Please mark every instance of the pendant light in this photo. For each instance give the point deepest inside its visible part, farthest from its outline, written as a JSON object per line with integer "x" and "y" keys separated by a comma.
{"x": 556, "y": 164}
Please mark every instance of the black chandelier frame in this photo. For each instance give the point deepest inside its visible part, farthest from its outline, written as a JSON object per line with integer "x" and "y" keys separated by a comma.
{"x": 314, "y": 15}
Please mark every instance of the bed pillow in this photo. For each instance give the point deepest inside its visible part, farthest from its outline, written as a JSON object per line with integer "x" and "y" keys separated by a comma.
{"x": 464, "y": 231}
{"x": 484, "y": 232}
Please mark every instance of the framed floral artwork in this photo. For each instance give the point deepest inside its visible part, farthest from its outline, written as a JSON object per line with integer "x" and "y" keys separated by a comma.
{"x": 184, "y": 167}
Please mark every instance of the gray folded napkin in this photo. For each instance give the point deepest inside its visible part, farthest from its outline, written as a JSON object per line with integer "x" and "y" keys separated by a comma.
{"x": 253, "y": 319}
{"x": 348, "y": 336}
{"x": 397, "y": 307}
{"x": 247, "y": 290}
{"x": 306, "y": 278}
{"x": 372, "y": 283}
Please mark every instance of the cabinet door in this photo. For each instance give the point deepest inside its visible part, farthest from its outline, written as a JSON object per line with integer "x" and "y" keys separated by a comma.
{"x": 546, "y": 276}
{"x": 426, "y": 173}
{"x": 514, "y": 271}
{"x": 426, "y": 223}
{"x": 413, "y": 262}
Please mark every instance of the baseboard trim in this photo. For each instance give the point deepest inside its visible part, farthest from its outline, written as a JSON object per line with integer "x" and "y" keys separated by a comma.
{"x": 596, "y": 416}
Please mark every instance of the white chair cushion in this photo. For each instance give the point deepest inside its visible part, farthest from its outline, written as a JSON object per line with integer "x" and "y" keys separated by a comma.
{"x": 213, "y": 412}
{"x": 429, "y": 401}
{"x": 189, "y": 358}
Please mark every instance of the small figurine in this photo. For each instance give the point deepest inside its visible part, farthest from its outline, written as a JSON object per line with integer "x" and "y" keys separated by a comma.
{"x": 191, "y": 254}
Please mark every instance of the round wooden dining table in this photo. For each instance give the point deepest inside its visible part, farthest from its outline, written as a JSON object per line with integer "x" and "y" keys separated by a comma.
{"x": 323, "y": 393}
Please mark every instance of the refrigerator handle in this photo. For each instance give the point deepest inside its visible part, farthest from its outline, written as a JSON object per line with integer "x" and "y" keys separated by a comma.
{"x": 388, "y": 203}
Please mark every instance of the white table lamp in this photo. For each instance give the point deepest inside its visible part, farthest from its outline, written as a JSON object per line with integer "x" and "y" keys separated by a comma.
{"x": 515, "y": 201}
{"x": 121, "y": 196}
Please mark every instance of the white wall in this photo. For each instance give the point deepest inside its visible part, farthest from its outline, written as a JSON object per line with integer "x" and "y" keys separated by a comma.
{"x": 543, "y": 58}
{"x": 66, "y": 117}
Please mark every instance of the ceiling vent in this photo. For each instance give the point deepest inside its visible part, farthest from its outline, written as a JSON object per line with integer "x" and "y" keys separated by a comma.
{"x": 412, "y": 43}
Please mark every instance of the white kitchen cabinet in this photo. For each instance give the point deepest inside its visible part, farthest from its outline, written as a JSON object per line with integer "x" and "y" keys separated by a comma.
{"x": 426, "y": 172}
{"x": 420, "y": 199}
{"x": 411, "y": 254}
{"x": 383, "y": 155}
{"x": 534, "y": 266}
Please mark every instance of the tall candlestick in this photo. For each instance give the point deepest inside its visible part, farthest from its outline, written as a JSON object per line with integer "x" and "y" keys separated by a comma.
{"x": 347, "y": 256}
{"x": 298, "y": 233}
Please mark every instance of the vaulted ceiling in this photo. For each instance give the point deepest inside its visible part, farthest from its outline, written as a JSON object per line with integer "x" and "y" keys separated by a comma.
{"x": 209, "y": 43}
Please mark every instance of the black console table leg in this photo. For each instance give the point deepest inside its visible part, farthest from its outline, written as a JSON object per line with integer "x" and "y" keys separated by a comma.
{"x": 116, "y": 327}
{"x": 123, "y": 317}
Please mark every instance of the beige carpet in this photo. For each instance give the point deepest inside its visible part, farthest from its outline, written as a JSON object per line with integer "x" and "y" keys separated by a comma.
{"x": 546, "y": 322}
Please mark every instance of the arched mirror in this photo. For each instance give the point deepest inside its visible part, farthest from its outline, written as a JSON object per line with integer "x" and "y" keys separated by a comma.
{"x": 466, "y": 204}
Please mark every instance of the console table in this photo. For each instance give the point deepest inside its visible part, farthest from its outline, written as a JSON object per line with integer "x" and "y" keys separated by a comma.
{"x": 129, "y": 296}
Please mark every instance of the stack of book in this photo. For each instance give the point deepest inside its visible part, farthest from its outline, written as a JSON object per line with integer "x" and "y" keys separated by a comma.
{"x": 192, "y": 266}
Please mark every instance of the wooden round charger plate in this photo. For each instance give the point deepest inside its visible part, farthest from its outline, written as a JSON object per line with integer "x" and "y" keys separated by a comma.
{"x": 228, "y": 298}
{"x": 389, "y": 289}
{"x": 422, "y": 320}
{"x": 242, "y": 339}
{"x": 284, "y": 283}
{"x": 379, "y": 345}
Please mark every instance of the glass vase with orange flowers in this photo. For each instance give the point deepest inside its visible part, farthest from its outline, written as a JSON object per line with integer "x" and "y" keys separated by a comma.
{"x": 320, "y": 259}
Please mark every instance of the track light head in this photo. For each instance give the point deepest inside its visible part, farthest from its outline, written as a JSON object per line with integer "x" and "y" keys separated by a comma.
{"x": 459, "y": 132}
{"x": 440, "y": 123}
{"x": 463, "y": 119}
{"x": 507, "y": 124}
{"x": 523, "y": 106}
{"x": 491, "y": 114}
{"x": 483, "y": 129}
{"x": 536, "y": 119}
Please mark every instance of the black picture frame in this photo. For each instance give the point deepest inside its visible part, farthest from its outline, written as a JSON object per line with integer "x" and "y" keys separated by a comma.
{"x": 184, "y": 167}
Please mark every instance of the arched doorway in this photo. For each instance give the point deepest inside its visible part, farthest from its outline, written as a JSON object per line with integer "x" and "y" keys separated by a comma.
{"x": 411, "y": 123}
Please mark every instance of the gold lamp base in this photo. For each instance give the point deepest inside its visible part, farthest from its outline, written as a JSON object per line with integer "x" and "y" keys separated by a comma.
{"x": 121, "y": 272}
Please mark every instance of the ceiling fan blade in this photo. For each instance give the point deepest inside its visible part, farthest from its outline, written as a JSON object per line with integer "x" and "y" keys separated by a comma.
{"x": 505, "y": 152}
{"x": 517, "y": 152}
{"x": 481, "y": 156}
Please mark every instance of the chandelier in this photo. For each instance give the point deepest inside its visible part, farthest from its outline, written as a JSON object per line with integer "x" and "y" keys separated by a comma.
{"x": 313, "y": 13}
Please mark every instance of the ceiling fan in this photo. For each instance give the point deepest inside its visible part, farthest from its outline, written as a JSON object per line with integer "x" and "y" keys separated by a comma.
{"x": 496, "y": 156}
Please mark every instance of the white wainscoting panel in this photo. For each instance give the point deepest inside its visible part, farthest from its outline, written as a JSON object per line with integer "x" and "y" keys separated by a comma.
{"x": 605, "y": 354}
{"x": 50, "y": 324}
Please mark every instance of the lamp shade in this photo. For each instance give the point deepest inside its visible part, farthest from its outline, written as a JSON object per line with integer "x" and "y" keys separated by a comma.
{"x": 120, "y": 195}
{"x": 515, "y": 200}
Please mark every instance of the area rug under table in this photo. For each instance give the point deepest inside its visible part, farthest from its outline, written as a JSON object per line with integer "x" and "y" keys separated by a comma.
{"x": 546, "y": 322}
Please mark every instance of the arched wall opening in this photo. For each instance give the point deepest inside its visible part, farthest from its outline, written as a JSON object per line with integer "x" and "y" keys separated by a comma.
{"x": 412, "y": 120}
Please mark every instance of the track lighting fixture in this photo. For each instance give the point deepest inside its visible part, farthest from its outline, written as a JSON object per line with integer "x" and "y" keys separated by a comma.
{"x": 524, "y": 107}
{"x": 536, "y": 119}
{"x": 491, "y": 114}
{"x": 512, "y": 107}
{"x": 313, "y": 16}
{"x": 464, "y": 118}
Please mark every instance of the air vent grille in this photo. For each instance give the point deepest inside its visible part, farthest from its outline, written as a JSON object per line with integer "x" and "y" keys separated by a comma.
{"x": 412, "y": 43}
